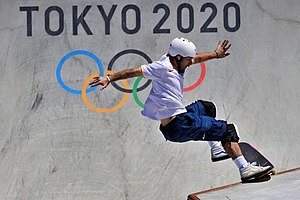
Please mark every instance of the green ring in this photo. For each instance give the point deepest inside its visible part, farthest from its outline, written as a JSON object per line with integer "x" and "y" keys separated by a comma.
{"x": 134, "y": 92}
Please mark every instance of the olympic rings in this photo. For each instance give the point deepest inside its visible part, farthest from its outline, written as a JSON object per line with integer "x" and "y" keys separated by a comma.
{"x": 199, "y": 81}
{"x": 134, "y": 92}
{"x": 105, "y": 110}
{"x": 127, "y": 51}
{"x": 66, "y": 57}
{"x": 125, "y": 87}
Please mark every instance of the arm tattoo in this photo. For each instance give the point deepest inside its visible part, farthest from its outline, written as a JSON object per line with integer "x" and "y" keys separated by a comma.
{"x": 199, "y": 59}
{"x": 124, "y": 74}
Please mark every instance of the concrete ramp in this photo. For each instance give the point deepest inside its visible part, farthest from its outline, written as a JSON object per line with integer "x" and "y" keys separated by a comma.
{"x": 58, "y": 143}
{"x": 283, "y": 185}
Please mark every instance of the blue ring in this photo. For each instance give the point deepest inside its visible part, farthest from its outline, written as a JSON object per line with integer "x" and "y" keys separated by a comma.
{"x": 66, "y": 57}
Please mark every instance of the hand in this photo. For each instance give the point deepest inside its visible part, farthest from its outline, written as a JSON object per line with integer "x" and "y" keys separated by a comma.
{"x": 222, "y": 48}
{"x": 102, "y": 81}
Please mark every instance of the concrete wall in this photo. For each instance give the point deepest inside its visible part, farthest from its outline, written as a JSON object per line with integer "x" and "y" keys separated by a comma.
{"x": 54, "y": 146}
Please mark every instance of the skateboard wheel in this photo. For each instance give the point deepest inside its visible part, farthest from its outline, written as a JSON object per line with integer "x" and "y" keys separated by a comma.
{"x": 273, "y": 171}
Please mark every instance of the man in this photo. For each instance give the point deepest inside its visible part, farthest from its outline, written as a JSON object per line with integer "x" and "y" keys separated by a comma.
{"x": 195, "y": 121}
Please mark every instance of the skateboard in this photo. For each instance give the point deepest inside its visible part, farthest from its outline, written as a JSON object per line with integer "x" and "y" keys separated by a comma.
{"x": 253, "y": 156}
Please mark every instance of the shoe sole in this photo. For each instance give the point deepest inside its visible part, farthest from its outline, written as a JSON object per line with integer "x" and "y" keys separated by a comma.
{"x": 220, "y": 158}
{"x": 258, "y": 175}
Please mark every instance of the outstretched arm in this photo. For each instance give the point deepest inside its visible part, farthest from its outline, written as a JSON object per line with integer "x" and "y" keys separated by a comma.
{"x": 124, "y": 74}
{"x": 220, "y": 52}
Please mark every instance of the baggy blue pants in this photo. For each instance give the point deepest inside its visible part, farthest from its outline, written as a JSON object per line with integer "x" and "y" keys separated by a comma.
{"x": 195, "y": 125}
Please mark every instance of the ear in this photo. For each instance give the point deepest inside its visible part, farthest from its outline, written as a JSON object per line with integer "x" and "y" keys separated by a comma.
{"x": 178, "y": 57}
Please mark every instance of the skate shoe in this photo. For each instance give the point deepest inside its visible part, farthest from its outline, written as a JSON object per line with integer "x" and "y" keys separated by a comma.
{"x": 251, "y": 172}
{"x": 218, "y": 153}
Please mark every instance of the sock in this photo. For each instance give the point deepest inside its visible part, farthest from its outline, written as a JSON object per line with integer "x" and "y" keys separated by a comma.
{"x": 240, "y": 162}
{"x": 213, "y": 144}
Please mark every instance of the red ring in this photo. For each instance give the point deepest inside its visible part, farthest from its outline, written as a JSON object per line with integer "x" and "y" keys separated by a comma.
{"x": 199, "y": 81}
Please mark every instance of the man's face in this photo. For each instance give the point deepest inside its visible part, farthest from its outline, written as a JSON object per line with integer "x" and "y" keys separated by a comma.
{"x": 185, "y": 63}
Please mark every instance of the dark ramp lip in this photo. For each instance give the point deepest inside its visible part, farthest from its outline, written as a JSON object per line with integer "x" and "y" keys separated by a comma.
{"x": 194, "y": 196}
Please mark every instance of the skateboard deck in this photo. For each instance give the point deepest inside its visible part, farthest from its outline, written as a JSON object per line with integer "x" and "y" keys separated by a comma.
{"x": 253, "y": 156}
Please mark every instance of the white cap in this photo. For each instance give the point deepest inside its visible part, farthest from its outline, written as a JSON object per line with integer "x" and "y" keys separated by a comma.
{"x": 183, "y": 47}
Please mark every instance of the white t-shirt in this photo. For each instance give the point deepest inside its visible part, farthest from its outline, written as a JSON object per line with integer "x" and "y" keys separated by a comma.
{"x": 165, "y": 98}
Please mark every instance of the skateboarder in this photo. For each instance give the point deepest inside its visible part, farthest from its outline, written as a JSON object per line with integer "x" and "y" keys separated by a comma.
{"x": 195, "y": 121}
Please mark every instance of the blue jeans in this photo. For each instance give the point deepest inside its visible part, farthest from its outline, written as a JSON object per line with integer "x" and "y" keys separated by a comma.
{"x": 195, "y": 125}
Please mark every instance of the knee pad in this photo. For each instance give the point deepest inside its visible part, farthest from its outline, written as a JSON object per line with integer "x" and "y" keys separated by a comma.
{"x": 210, "y": 108}
{"x": 231, "y": 134}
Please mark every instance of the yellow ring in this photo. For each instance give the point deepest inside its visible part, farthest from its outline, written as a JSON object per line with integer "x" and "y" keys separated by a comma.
{"x": 104, "y": 110}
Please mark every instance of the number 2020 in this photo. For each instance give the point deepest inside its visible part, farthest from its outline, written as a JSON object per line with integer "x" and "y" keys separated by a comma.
{"x": 205, "y": 28}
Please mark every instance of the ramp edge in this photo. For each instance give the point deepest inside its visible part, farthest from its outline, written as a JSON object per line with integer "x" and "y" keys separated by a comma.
{"x": 194, "y": 196}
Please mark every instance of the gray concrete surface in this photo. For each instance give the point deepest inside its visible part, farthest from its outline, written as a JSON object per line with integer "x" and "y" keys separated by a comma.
{"x": 281, "y": 186}
{"x": 53, "y": 146}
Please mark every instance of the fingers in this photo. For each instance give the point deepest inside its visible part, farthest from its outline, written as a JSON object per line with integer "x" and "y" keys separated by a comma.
{"x": 103, "y": 87}
{"x": 94, "y": 82}
{"x": 226, "y": 54}
{"x": 95, "y": 79}
{"x": 99, "y": 81}
{"x": 225, "y": 44}
{"x": 222, "y": 48}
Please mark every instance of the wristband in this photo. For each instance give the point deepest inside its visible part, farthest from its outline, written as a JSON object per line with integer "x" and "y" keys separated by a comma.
{"x": 108, "y": 78}
{"x": 217, "y": 54}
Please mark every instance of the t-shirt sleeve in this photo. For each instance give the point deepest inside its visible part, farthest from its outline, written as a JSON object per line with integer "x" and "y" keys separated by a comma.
{"x": 153, "y": 71}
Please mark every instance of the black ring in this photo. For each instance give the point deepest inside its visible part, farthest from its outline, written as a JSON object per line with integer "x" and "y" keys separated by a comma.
{"x": 123, "y": 53}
